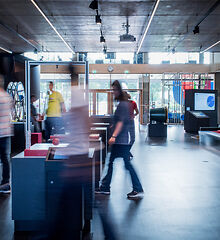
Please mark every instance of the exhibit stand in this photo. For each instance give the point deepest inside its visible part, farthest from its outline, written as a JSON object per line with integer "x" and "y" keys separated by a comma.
{"x": 200, "y": 109}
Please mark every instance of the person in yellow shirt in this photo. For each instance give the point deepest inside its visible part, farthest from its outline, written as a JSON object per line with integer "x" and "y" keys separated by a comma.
{"x": 54, "y": 111}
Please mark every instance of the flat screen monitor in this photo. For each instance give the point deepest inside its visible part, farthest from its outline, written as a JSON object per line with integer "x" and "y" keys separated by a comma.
{"x": 204, "y": 102}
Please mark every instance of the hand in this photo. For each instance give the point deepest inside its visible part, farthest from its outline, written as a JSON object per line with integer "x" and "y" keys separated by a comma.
{"x": 111, "y": 141}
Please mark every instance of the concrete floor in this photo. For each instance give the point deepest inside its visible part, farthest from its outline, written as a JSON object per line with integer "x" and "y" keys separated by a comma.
{"x": 181, "y": 180}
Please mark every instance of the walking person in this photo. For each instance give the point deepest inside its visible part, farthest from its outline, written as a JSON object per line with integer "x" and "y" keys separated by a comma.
{"x": 5, "y": 137}
{"x": 120, "y": 147}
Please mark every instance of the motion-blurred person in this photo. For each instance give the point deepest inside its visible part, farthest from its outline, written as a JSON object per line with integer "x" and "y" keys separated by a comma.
{"x": 133, "y": 113}
{"x": 120, "y": 145}
{"x": 34, "y": 114}
{"x": 5, "y": 136}
{"x": 54, "y": 113}
{"x": 77, "y": 173}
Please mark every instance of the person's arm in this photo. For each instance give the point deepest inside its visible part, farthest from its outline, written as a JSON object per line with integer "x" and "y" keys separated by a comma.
{"x": 118, "y": 129}
{"x": 63, "y": 107}
{"x": 136, "y": 111}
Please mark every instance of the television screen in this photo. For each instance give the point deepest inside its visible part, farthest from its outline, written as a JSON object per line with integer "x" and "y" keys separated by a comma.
{"x": 204, "y": 101}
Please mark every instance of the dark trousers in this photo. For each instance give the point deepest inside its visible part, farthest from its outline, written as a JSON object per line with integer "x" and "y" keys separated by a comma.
{"x": 132, "y": 132}
{"x": 123, "y": 151}
{"x": 5, "y": 151}
{"x": 53, "y": 125}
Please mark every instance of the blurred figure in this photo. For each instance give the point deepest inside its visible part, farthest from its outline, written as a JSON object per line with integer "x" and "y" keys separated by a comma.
{"x": 34, "y": 115}
{"x": 77, "y": 173}
{"x": 54, "y": 111}
{"x": 5, "y": 136}
{"x": 120, "y": 145}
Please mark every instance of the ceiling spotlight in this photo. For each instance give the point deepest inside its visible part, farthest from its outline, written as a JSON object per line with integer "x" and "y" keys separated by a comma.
{"x": 102, "y": 39}
{"x": 105, "y": 50}
{"x": 94, "y": 5}
{"x": 98, "y": 19}
{"x": 196, "y": 30}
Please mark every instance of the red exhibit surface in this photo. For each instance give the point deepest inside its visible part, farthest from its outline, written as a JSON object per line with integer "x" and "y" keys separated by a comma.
{"x": 36, "y": 138}
{"x": 40, "y": 149}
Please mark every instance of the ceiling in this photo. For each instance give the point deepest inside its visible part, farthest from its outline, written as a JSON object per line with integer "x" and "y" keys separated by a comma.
{"x": 171, "y": 27}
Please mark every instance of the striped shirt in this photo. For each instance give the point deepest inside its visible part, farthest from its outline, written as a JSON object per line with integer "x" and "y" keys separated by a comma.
{"x": 5, "y": 114}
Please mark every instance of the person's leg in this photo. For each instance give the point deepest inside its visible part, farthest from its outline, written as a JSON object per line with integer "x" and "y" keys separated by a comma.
{"x": 48, "y": 126}
{"x": 134, "y": 178}
{"x": 106, "y": 181}
{"x": 132, "y": 136}
{"x": 5, "y": 150}
{"x": 56, "y": 125}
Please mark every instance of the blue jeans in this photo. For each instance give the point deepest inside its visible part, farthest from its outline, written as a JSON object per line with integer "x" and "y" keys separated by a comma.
{"x": 5, "y": 151}
{"x": 119, "y": 150}
{"x": 53, "y": 125}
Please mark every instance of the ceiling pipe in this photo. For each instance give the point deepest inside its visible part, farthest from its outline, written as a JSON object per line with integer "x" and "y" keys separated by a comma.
{"x": 208, "y": 12}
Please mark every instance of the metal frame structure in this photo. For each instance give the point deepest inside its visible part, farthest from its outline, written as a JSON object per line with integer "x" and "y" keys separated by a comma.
{"x": 167, "y": 82}
{"x": 28, "y": 65}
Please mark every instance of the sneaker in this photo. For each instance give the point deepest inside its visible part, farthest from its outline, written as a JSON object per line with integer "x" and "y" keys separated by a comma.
{"x": 135, "y": 194}
{"x": 5, "y": 188}
{"x": 101, "y": 191}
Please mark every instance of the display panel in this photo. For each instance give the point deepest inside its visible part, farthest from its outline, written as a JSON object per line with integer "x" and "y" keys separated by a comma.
{"x": 199, "y": 114}
{"x": 204, "y": 101}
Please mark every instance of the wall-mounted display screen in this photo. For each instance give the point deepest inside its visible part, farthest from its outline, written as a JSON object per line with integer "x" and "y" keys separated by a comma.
{"x": 204, "y": 101}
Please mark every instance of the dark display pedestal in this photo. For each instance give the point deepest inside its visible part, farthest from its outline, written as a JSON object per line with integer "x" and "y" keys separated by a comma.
{"x": 157, "y": 130}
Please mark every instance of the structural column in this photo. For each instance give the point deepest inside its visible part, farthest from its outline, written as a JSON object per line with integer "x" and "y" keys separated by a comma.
{"x": 217, "y": 87}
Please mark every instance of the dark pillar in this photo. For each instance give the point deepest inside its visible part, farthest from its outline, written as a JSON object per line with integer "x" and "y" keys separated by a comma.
{"x": 217, "y": 87}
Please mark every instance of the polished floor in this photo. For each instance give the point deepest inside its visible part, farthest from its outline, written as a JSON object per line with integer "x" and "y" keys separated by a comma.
{"x": 181, "y": 180}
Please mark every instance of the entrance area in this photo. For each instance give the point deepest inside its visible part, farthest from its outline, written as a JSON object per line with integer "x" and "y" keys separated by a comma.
{"x": 101, "y": 100}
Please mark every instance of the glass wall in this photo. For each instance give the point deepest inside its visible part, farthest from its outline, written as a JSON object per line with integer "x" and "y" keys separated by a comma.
{"x": 168, "y": 90}
{"x": 177, "y": 58}
{"x": 122, "y": 58}
{"x": 101, "y": 99}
